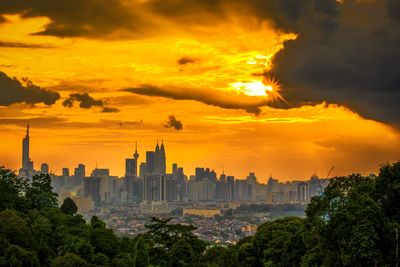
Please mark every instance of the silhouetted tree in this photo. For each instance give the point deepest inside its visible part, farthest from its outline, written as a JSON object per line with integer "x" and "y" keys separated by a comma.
{"x": 39, "y": 194}
{"x": 69, "y": 206}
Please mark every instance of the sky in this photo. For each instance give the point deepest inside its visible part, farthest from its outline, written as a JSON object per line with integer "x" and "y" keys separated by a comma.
{"x": 276, "y": 87}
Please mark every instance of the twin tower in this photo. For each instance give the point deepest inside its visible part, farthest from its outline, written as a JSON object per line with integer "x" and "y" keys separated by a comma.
{"x": 155, "y": 162}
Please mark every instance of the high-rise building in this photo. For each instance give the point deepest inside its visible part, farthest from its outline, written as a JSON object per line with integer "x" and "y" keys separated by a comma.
{"x": 44, "y": 168}
{"x": 151, "y": 187}
{"x": 80, "y": 171}
{"x": 25, "y": 150}
{"x": 199, "y": 173}
{"x": 174, "y": 168}
{"x": 27, "y": 163}
{"x": 230, "y": 188}
{"x": 91, "y": 187}
{"x": 106, "y": 184}
{"x": 65, "y": 172}
{"x": 150, "y": 161}
{"x": 131, "y": 165}
{"x": 156, "y": 160}
{"x": 77, "y": 179}
{"x": 142, "y": 169}
{"x": 162, "y": 160}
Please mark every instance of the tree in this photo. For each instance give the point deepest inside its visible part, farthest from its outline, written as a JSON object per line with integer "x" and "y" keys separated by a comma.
{"x": 181, "y": 253}
{"x": 247, "y": 255}
{"x": 279, "y": 243}
{"x": 17, "y": 256}
{"x": 229, "y": 258}
{"x": 104, "y": 241}
{"x": 15, "y": 230}
{"x": 100, "y": 259}
{"x": 213, "y": 253}
{"x": 69, "y": 260}
{"x": 346, "y": 226}
{"x": 12, "y": 190}
{"x": 39, "y": 194}
{"x": 122, "y": 260}
{"x": 387, "y": 190}
{"x": 141, "y": 256}
{"x": 69, "y": 207}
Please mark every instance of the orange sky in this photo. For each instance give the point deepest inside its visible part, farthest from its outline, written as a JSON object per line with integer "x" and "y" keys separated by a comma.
{"x": 222, "y": 62}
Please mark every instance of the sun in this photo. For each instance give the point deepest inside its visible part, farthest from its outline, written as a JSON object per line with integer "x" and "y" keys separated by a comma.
{"x": 268, "y": 88}
{"x": 252, "y": 88}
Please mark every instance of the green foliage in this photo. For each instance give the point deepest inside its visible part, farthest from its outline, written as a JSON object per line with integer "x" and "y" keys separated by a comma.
{"x": 122, "y": 260}
{"x": 12, "y": 190}
{"x": 247, "y": 255}
{"x": 69, "y": 260}
{"x": 280, "y": 242}
{"x": 100, "y": 259}
{"x": 15, "y": 230}
{"x": 17, "y": 256}
{"x": 181, "y": 253}
{"x": 39, "y": 194}
{"x": 351, "y": 224}
{"x": 141, "y": 256}
{"x": 69, "y": 206}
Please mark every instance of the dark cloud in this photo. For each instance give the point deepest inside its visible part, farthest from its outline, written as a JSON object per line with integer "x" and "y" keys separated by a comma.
{"x": 228, "y": 100}
{"x": 23, "y": 45}
{"x": 172, "y": 122}
{"x": 13, "y": 91}
{"x": 110, "y": 110}
{"x": 187, "y": 60}
{"x": 86, "y": 101}
{"x": 101, "y": 18}
{"x": 357, "y": 64}
{"x": 70, "y": 18}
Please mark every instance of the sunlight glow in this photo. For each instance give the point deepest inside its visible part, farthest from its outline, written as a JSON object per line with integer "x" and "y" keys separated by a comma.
{"x": 253, "y": 88}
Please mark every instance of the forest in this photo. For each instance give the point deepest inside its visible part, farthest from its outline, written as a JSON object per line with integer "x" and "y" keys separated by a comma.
{"x": 353, "y": 223}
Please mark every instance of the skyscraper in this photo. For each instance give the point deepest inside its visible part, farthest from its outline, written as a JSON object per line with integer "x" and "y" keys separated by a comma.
{"x": 44, "y": 168}
{"x": 150, "y": 160}
{"x": 25, "y": 150}
{"x": 65, "y": 172}
{"x": 131, "y": 165}
{"x": 162, "y": 160}
{"x": 156, "y": 160}
{"x": 27, "y": 164}
{"x": 136, "y": 156}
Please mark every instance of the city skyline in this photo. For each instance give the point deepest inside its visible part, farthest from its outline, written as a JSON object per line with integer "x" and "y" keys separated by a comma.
{"x": 286, "y": 88}
{"x": 154, "y": 162}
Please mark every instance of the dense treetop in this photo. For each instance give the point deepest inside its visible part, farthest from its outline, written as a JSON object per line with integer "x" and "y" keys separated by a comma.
{"x": 352, "y": 224}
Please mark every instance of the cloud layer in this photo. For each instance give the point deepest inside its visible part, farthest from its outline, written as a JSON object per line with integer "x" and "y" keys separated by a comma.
{"x": 172, "y": 122}
{"x": 13, "y": 91}
{"x": 355, "y": 63}
{"x": 346, "y": 51}
{"x": 86, "y": 102}
{"x": 228, "y": 100}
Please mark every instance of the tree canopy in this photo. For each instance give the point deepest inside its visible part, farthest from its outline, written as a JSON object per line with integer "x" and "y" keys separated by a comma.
{"x": 352, "y": 223}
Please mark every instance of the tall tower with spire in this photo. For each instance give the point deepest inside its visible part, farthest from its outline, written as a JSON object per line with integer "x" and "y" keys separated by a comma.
{"x": 27, "y": 164}
{"x": 25, "y": 149}
{"x": 162, "y": 159}
{"x": 159, "y": 159}
{"x": 136, "y": 156}
{"x": 131, "y": 164}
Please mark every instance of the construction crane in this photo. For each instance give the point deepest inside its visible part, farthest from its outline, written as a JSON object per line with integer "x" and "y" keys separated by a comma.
{"x": 330, "y": 171}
